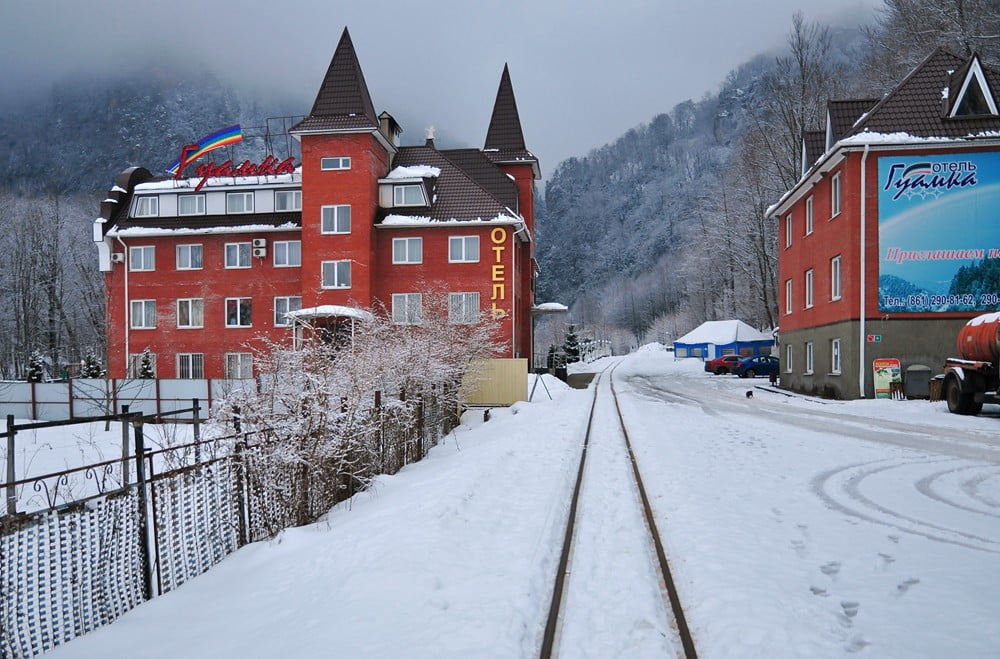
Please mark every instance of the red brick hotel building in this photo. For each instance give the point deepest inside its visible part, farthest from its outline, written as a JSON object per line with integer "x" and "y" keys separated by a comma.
{"x": 200, "y": 269}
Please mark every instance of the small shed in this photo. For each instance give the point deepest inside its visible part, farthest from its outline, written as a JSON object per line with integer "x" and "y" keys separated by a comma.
{"x": 715, "y": 338}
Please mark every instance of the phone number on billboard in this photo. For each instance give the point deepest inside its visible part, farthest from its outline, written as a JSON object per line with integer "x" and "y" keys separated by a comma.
{"x": 968, "y": 299}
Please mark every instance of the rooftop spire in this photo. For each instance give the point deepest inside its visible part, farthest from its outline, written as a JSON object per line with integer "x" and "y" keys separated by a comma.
{"x": 504, "y": 133}
{"x": 343, "y": 101}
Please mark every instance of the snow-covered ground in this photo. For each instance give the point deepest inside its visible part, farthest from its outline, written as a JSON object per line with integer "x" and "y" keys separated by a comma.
{"x": 795, "y": 528}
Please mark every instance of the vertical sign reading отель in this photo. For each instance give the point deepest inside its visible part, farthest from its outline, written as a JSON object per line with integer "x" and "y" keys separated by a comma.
{"x": 498, "y": 271}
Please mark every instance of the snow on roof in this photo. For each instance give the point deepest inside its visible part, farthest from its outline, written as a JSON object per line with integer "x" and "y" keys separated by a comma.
{"x": 721, "y": 332}
{"x": 423, "y": 220}
{"x": 549, "y": 307}
{"x": 415, "y": 171}
{"x": 331, "y": 310}
{"x": 985, "y": 318}
{"x": 246, "y": 228}
{"x": 218, "y": 181}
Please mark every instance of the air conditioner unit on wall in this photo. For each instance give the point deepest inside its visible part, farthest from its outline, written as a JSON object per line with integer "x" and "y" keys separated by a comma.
{"x": 260, "y": 242}
{"x": 259, "y": 252}
{"x": 118, "y": 257}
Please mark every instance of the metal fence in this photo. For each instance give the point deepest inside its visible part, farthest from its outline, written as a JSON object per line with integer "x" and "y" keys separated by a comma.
{"x": 163, "y": 517}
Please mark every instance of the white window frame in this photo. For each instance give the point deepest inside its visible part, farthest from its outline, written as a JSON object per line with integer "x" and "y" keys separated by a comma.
{"x": 332, "y": 220}
{"x": 287, "y": 253}
{"x": 147, "y": 206}
{"x": 199, "y": 203}
{"x": 142, "y": 314}
{"x": 788, "y": 231}
{"x": 190, "y": 366}
{"x": 406, "y": 308}
{"x": 809, "y": 215}
{"x": 237, "y": 305}
{"x": 788, "y": 297}
{"x": 135, "y": 364}
{"x": 835, "y": 290}
{"x": 809, "y": 288}
{"x": 810, "y": 355}
{"x": 334, "y": 163}
{"x": 835, "y": 195}
{"x": 401, "y": 198}
{"x": 239, "y": 251}
{"x": 190, "y": 251}
{"x": 282, "y": 305}
{"x": 788, "y": 358}
{"x": 295, "y": 197}
{"x": 835, "y": 357}
{"x": 462, "y": 245}
{"x": 195, "y": 312}
{"x": 463, "y": 308}
{"x": 242, "y": 208}
{"x": 238, "y": 365}
{"x": 407, "y": 250}
{"x": 142, "y": 258}
{"x": 335, "y": 270}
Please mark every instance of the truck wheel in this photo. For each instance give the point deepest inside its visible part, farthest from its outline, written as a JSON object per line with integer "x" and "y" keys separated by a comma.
{"x": 959, "y": 402}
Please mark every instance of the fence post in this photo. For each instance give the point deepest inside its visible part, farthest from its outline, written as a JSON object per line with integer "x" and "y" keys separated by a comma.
{"x": 34, "y": 402}
{"x": 236, "y": 419}
{"x": 381, "y": 433}
{"x": 11, "y": 494}
{"x": 125, "y": 438}
{"x": 242, "y": 492}
{"x": 197, "y": 430}
{"x": 140, "y": 474}
{"x": 420, "y": 428}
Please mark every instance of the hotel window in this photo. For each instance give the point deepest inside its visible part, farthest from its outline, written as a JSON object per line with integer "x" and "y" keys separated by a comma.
{"x": 809, "y": 288}
{"x": 788, "y": 296}
{"x": 190, "y": 365}
{"x": 835, "y": 356}
{"x": 239, "y": 202}
{"x": 406, "y": 308}
{"x": 239, "y": 365}
{"x": 135, "y": 364}
{"x": 809, "y": 358}
{"x": 287, "y": 253}
{"x": 408, "y": 195}
{"x": 463, "y": 308}
{"x": 407, "y": 250}
{"x": 141, "y": 258}
{"x": 788, "y": 358}
{"x": 809, "y": 215}
{"x": 336, "y": 274}
{"x": 283, "y": 305}
{"x": 238, "y": 312}
{"x": 237, "y": 255}
{"x": 835, "y": 195}
{"x": 147, "y": 206}
{"x": 338, "y": 162}
{"x": 143, "y": 314}
{"x": 191, "y": 204}
{"x": 288, "y": 200}
{"x": 463, "y": 249}
{"x": 335, "y": 219}
{"x": 190, "y": 313}
{"x": 835, "y": 278}
{"x": 788, "y": 230}
{"x": 189, "y": 257}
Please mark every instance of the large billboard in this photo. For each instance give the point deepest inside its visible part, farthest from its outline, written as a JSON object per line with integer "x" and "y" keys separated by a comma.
{"x": 939, "y": 232}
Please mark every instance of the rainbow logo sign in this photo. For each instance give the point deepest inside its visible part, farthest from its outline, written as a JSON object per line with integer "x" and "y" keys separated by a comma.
{"x": 192, "y": 152}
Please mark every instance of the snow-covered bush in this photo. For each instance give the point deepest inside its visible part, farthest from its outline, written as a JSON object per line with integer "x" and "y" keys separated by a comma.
{"x": 91, "y": 366}
{"x": 36, "y": 367}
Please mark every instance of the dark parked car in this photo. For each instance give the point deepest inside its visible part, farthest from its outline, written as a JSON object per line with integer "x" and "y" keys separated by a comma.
{"x": 722, "y": 365}
{"x": 751, "y": 367}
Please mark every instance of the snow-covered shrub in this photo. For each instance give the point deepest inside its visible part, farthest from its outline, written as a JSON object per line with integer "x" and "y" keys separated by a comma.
{"x": 36, "y": 367}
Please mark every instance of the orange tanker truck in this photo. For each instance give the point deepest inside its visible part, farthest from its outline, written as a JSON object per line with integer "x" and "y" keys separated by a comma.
{"x": 973, "y": 377}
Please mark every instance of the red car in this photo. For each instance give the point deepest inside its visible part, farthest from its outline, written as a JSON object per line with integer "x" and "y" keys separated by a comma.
{"x": 722, "y": 365}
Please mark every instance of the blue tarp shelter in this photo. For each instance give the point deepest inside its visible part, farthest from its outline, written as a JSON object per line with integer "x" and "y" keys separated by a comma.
{"x": 716, "y": 338}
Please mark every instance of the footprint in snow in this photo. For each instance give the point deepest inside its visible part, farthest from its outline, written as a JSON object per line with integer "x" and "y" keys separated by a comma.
{"x": 906, "y": 585}
{"x": 830, "y": 569}
{"x": 819, "y": 592}
{"x": 850, "y": 608}
{"x": 857, "y": 644}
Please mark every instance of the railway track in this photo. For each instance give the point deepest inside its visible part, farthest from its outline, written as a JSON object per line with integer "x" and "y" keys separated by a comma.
{"x": 613, "y": 589}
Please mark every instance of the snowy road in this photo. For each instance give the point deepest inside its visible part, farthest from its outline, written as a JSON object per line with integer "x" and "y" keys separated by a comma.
{"x": 794, "y": 527}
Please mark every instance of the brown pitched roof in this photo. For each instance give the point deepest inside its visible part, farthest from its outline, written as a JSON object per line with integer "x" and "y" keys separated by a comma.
{"x": 343, "y": 101}
{"x": 504, "y": 139}
{"x": 814, "y": 142}
{"x": 843, "y": 114}
{"x": 917, "y": 105}
{"x": 457, "y": 194}
{"x": 481, "y": 169}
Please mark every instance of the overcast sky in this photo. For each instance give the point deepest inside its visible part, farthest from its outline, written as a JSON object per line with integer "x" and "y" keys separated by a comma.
{"x": 583, "y": 72}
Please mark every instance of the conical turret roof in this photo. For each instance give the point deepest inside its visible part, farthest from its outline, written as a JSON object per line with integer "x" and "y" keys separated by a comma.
{"x": 343, "y": 102}
{"x": 504, "y": 139}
